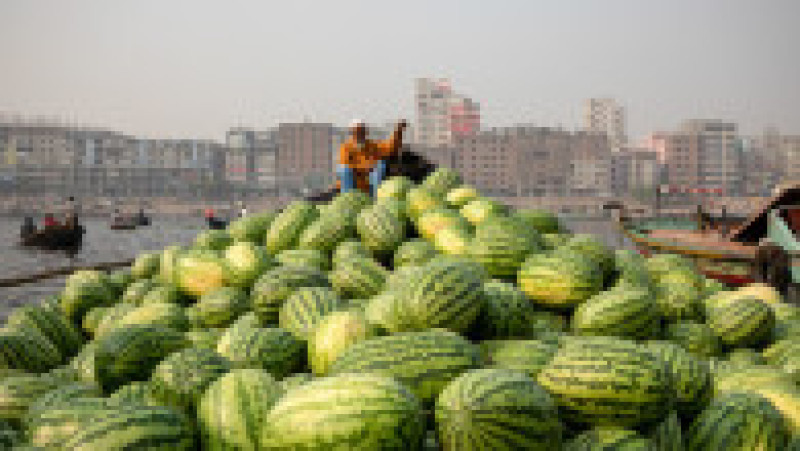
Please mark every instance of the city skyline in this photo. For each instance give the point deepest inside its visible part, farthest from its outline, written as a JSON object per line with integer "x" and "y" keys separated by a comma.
{"x": 196, "y": 69}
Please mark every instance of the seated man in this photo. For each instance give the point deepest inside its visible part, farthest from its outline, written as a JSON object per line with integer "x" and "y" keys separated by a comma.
{"x": 362, "y": 163}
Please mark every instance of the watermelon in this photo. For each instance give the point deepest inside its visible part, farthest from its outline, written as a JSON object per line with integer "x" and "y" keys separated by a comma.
{"x": 668, "y": 435}
{"x": 420, "y": 200}
{"x": 381, "y": 311}
{"x": 478, "y": 210}
{"x": 83, "y": 290}
{"x": 679, "y": 295}
{"x": 381, "y": 229}
{"x": 393, "y": 188}
{"x": 358, "y": 278}
{"x": 93, "y": 318}
{"x": 347, "y": 249}
{"x": 233, "y": 408}
{"x": 335, "y": 332}
{"x": 181, "y": 378}
{"x": 741, "y": 322}
{"x": 347, "y": 412}
{"x": 168, "y": 294}
{"x": 305, "y": 308}
{"x": 542, "y": 221}
{"x": 304, "y": 257}
{"x": 442, "y": 180}
{"x": 250, "y": 228}
{"x": 610, "y": 439}
{"x": 111, "y": 316}
{"x": 660, "y": 264}
{"x": 221, "y": 307}
{"x": 424, "y": 361}
{"x": 213, "y": 240}
{"x": 506, "y": 313}
{"x": 447, "y": 294}
{"x": 137, "y": 290}
{"x": 119, "y": 280}
{"x": 246, "y": 261}
{"x": 168, "y": 265}
{"x": 602, "y": 381}
{"x": 51, "y": 324}
{"x": 130, "y": 353}
{"x": 453, "y": 241}
{"x": 9, "y": 437}
{"x": 496, "y": 409}
{"x": 632, "y": 271}
{"x": 267, "y": 348}
{"x": 738, "y": 421}
{"x": 432, "y": 221}
{"x": 167, "y": 315}
{"x": 528, "y": 356}
{"x": 85, "y": 363}
{"x": 460, "y": 196}
{"x": 134, "y": 427}
{"x": 624, "y": 312}
{"x": 295, "y": 380}
{"x": 288, "y": 225}
{"x": 592, "y": 249}
{"x": 53, "y": 427}
{"x": 696, "y": 338}
{"x": 204, "y": 338}
{"x": 559, "y": 280}
{"x": 17, "y": 393}
{"x": 413, "y": 252}
{"x": 201, "y": 272}
{"x": 276, "y": 285}
{"x": 27, "y": 349}
{"x": 137, "y": 392}
{"x": 326, "y": 233}
{"x": 145, "y": 265}
{"x": 61, "y": 396}
{"x": 346, "y": 205}
{"x": 501, "y": 246}
{"x": 551, "y": 241}
{"x": 690, "y": 376}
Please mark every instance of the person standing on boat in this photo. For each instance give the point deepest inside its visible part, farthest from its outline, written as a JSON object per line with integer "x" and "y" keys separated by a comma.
{"x": 243, "y": 211}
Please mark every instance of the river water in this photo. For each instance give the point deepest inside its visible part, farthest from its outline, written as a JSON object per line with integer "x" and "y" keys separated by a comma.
{"x": 101, "y": 245}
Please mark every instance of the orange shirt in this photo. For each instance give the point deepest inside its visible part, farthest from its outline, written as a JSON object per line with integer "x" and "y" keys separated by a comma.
{"x": 364, "y": 157}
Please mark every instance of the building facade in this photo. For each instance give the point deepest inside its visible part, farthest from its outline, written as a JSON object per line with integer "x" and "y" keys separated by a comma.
{"x": 442, "y": 115}
{"x": 606, "y": 116}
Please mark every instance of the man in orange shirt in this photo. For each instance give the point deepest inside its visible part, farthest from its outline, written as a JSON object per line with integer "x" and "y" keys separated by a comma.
{"x": 362, "y": 162}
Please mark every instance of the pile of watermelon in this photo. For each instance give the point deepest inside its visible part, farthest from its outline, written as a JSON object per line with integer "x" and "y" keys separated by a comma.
{"x": 428, "y": 318}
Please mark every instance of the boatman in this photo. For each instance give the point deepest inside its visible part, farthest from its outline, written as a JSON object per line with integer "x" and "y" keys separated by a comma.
{"x": 362, "y": 162}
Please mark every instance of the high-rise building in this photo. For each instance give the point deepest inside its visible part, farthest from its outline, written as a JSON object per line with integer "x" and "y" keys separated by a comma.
{"x": 442, "y": 114}
{"x": 606, "y": 116}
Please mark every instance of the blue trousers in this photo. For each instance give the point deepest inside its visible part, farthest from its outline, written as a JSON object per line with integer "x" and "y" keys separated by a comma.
{"x": 348, "y": 179}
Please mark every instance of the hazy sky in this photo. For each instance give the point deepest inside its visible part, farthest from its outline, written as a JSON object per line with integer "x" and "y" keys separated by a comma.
{"x": 194, "y": 68}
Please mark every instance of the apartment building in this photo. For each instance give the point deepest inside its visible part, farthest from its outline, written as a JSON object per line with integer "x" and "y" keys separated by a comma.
{"x": 305, "y": 155}
{"x": 442, "y": 115}
{"x": 605, "y": 115}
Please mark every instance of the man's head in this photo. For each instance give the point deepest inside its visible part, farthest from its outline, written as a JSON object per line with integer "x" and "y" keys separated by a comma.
{"x": 358, "y": 130}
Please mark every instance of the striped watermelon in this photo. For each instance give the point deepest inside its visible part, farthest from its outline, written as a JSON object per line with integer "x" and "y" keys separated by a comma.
{"x": 446, "y": 295}
{"x": 528, "y": 356}
{"x": 478, "y": 210}
{"x": 358, "y": 278}
{"x": 453, "y": 241}
{"x": 305, "y": 308}
{"x": 92, "y": 319}
{"x": 551, "y": 241}
{"x": 53, "y": 427}
{"x": 27, "y": 349}
{"x": 82, "y": 291}
{"x": 137, "y": 392}
{"x": 246, "y": 261}
{"x": 610, "y": 439}
{"x": 413, "y": 252}
{"x": 222, "y": 306}
{"x": 309, "y": 258}
{"x": 213, "y": 240}
{"x": 9, "y": 436}
{"x": 777, "y": 387}
{"x": 345, "y": 412}
{"x": 592, "y": 249}
{"x": 559, "y": 280}
{"x": 326, "y": 233}
{"x": 60, "y": 396}
{"x": 393, "y": 188}
{"x": 250, "y": 228}
{"x": 168, "y": 265}
{"x": 111, "y": 316}
{"x": 204, "y": 338}
{"x": 506, "y": 313}
{"x": 420, "y": 200}
{"x": 496, "y": 409}
{"x": 432, "y": 221}
{"x": 17, "y": 393}
{"x": 603, "y": 381}
{"x": 233, "y": 408}
{"x": 130, "y": 353}
{"x": 181, "y": 378}
{"x": 668, "y": 435}
{"x": 50, "y": 323}
{"x": 460, "y": 196}
{"x": 288, "y": 225}
{"x": 679, "y": 296}
{"x": 632, "y": 270}
{"x": 622, "y": 311}
{"x": 134, "y": 427}
{"x": 543, "y": 221}
{"x": 381, "y": 311}
{"x": 501, "y": 246}
{"x": 276, "y": 285}
{"x": 145, "y": 265}
{"x": 347, "y": 249}
{"x": 741, "y": 322}
{"x": 423, "y": 361}
{"x": 85, "y": 363}
{"x": 269, "y": 348}
{"x": 442, "y": 180}
{"x": 690, "y": 376}
{"x": 381, "y": 229}
{"x": 738, "y": 421}
{"x": 199, "y": 272}
{"x": 167, "y": 315}
{"x": 335, "y": 332}
{"x": 696, "y": 338}
{"x": 346, "y": 205}
{"x": 163, "y": 294}
{"x": 137, "y": 290}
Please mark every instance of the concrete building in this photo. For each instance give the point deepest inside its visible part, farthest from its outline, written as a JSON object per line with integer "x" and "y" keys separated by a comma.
{"x": 304, "y": 159}
{"x": 251, "y": 159}
{"x": 606, "y": 116}
{"x": 442, "y": 115}
{"x": 790, "y": 149}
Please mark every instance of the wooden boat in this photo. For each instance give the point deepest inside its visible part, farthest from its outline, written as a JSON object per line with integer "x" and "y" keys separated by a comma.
{"x": 54, "y": 238}
{"x": 761, "y": 247}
